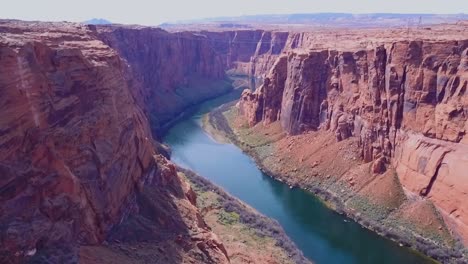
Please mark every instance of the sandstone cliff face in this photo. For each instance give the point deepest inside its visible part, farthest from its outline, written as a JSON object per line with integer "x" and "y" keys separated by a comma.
{"x": 254, "y": 51}
{"x": 250, "y": 52}
{"x": 405, "y": 101}
{"x": 79, "y": 164}
{"x": 174, "y": 71}
{"x": 76, "y": 150}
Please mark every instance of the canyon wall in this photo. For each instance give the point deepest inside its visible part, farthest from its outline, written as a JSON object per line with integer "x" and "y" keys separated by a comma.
{"x": 174, "y": 70}
{"x": 254, "y": 52}
{"x": 250, "y": 52}
{"x": 77, "y": 157}
{"x": 79, "y": 164}
{"x": 405, "y": 102}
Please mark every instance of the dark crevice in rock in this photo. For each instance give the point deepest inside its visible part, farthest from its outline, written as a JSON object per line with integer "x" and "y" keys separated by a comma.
{"x": 425, "y": 191}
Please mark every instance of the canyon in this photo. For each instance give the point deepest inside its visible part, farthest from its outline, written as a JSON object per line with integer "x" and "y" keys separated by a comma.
{"x": 83, "y": 179}
{"x": 79, "y": 164}
{"x": 400, "y": 105}
{"x": 85, "y": 176}
{"x": 174, "y": 71}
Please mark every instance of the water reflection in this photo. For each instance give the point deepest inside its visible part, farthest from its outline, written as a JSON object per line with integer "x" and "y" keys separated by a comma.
{"x": 323, "y": 235}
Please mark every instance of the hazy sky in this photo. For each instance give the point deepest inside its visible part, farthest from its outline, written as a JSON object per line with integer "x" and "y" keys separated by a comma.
{"x": 153, "y": 12}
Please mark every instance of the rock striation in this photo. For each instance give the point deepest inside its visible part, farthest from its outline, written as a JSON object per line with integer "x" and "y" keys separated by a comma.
{"x": 80, "y": 103}
{"x": 77, "y": 155}
{"x": 254, "y": 51}
{"x": 250, "y": 52}
{"x": 405, "y": 102}
{"x": 173, "y": 70}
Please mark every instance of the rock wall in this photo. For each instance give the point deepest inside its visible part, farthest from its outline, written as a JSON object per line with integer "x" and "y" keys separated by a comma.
{"x": 255, "y": 51}
{"x": 174, "y": 70}
{"x": 76, "y": 149}
{"x": 405, "y": 101}
{"x": 250, "y": 52}
{"x": 77, "y": 153}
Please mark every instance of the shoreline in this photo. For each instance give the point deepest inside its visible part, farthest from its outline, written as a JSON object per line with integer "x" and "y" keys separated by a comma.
{"x": 194, "y": 107}
{"x": 261, "y": 225}
{"x": 216, "y": 121}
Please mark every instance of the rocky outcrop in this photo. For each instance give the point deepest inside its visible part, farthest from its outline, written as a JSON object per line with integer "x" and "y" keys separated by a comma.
{"x": 79, "y": 164}
{"x": 405, "y": 101}
{"x": 255, "y": 51}
{"x": 265, "y": 104}
{"x": 77, "y": 156}
{"x": 251, "y": 52}
{"x": 436, "y": 169}
{"x": 174, "y": 70}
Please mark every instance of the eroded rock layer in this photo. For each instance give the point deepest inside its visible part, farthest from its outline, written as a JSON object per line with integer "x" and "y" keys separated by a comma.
{"x": 174, "y": 71}
{"x": 254, "y": 51}
{"x": 405, "y": 102}
{"x": 79, "y": 164}
{"x": 77, "y": 156}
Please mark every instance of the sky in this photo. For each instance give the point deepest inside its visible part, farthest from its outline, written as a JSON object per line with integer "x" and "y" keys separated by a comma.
{"x": 154, "y": 12}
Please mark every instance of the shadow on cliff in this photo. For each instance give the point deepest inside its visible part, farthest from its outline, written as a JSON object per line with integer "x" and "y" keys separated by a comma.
{"x": 156, "y": 233}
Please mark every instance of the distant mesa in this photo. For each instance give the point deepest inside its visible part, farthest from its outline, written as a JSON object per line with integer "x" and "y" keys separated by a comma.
{"x": 97, "y": 21}
{"x": 327, "y": 19}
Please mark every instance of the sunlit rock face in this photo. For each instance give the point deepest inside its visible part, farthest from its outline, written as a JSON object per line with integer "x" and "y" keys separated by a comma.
{"x": 77, "y": 152}
{"x": 405, "y": 101}
{"x": 79, "y": 105}
{"x": 173, "y": 70}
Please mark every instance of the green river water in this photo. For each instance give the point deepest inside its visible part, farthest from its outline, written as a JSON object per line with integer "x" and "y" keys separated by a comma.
{"x": 323, "y": 235}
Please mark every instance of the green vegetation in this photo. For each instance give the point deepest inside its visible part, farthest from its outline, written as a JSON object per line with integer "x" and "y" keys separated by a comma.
{"x": 254, "y": 228}
{"x": 228, "y": 218}
{"x": 371, "y": 214}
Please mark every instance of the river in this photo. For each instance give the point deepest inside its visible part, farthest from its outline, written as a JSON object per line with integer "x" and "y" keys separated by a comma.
{"x": 323, "y": 235}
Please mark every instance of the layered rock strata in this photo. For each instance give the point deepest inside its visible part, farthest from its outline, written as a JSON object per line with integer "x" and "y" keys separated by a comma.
{"x": 174, "y": 71}
{"x": 79, "y": 164}
{"x": 77, "y": 156}
{"x": 254, "y": 51}
{"x": 405, "y": 102}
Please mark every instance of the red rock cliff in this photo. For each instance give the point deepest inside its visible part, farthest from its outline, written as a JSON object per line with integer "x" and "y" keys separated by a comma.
{"x": 77, "y": 155}
{"x": 405, "y": 101}
{"x": 250, "y": 52}
{"x": 175, "y": 70}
